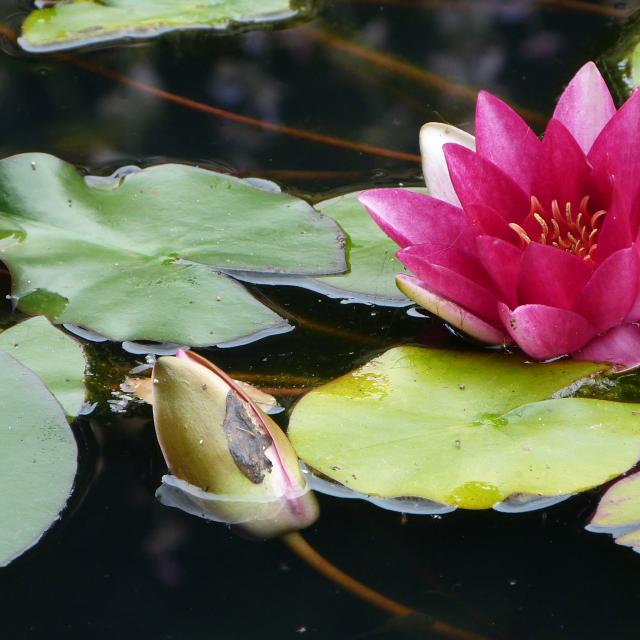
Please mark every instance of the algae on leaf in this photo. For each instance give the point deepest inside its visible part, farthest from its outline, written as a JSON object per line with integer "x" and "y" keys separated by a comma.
{"x": 144, "y": 256}
{"x": 38, "y": 459}
{"x": 464, "y": 429}
{"x": 56, "y": 358}
{"x": 74, "y": 23}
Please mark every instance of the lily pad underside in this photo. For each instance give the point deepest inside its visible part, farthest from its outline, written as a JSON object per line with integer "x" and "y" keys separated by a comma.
{"x": 619, "y": 513}
{"x": 464, "y": 429}
{"x": 74, "y": 23}
{"x": 142, "y": 256}
{"x": 38, "y": 458}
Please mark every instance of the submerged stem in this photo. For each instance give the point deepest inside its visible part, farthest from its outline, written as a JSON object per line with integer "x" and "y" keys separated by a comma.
{"x": 306, "y": 552}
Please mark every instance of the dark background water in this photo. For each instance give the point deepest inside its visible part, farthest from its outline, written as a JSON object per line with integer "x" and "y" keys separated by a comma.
{"x": 119, "y": 565}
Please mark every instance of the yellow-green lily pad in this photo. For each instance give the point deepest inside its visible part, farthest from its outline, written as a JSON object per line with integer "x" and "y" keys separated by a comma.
{"x": 465, "y": 429}
{"x": 74, "y": 23}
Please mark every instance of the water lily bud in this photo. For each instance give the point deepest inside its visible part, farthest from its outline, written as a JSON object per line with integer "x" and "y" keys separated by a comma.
{"x": 229, "y": 461}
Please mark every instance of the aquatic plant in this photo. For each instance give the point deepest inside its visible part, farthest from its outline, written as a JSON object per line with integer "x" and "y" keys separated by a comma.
{"x": 230, "y": 462}
{"x": 526, "y": 240}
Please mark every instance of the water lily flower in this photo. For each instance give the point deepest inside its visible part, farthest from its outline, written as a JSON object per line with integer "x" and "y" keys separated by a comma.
{"x": 229, "y": 461}
{"x": 526, "y": 240}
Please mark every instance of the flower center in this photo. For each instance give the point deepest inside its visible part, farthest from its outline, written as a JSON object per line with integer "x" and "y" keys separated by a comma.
{"x": 576, "y": 234}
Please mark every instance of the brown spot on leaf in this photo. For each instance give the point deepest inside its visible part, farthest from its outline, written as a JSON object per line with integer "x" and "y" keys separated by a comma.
{"x": 247, "y": 440}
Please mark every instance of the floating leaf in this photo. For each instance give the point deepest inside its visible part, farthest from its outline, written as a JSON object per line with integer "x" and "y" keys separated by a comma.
{"x": 370, "y": 255}
{"x": 53, "y": 356}
{"x": 463, "y": 429}
{"x": 73, "y": 23}
{"x": 371, "y": 261}
{"x": 37, "y": 459}
{"x": 140, "y": 257}
{"x": 619, "y": 513}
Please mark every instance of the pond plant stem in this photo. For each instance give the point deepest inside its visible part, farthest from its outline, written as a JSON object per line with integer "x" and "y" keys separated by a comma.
{"x": 491, "y": 5}
{"x": 308, "y": 554}
{"x": 407, "y": 70}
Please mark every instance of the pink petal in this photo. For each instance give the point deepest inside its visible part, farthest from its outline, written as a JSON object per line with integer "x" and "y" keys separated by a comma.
{"x": 413, "y": 218}
{"x": 487, "y": 221}
{"x": 620, "y": 345}
{"x": 611, "y": 291}
{"x": 505, "y": 139}
{"x": 545, "y": 332}
{"x": 616, "y": 232}
{"x": 616, "y": 151}
{"x": 463, "y": 263}
{"x": 478, "y": 181}
{"x": 453, "y": 286}
{"x": 501, "y": 260}
{"x": 585, "y": 106}
{"x": 562, "y": 173}
{"x": 551, "y": 276}
{"x": 450, "y": 312}
{"x": 433, "y": 136}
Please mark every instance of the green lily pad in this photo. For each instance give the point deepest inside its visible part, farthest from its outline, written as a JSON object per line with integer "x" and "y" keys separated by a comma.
{"x": 53, "y": 356}
{"x": 38, "y": 458}
{"x": 464, "y": 429}
{"x": 371, "y": 263}
{"x": 619, "y": 513}
{"x": 73, "y": 23}
{"x": 141, "y": 256}
{"x": 370, "y": 256}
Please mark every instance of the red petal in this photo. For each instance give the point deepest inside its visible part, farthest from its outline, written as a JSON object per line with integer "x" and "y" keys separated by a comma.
{"x": 562, "y": 173}
{"x": 545, "y": 332}
{"x": 453, "y": 286}
{"x": 462, "y": 262}
{"x": 505, "y": 139}
{"x": 450, "y": 312}
{"x": 585, "y": 106}
{"x": 616, "y": 151}
{"x": 620, "y": 345}
{"x": 611, "y": 291}
{"x": 478, "y": 181}
{"x": 501, "y": 260}
{"x": 412, "y": 218}
{"x": 551, "y": 276}
{"x": 616, "y": 232}
{"x": 487, "y": 221}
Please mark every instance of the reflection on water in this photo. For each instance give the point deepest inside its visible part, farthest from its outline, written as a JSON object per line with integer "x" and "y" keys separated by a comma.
{"x": 119, "y": 564}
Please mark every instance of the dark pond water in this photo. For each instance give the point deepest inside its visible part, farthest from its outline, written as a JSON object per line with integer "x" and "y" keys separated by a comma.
{"x": 119, "y": 565}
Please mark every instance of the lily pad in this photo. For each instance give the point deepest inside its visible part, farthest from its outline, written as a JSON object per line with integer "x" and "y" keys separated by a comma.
{"x": 464, "y": 429}
{"x": 619, "y": 512}
{"x": 141, "y": 256}
{"x": 53, "y": 356}
{"x": 38, "y": 458}
{"x": 371, "y": 263}
{"x": 73, "y": 23}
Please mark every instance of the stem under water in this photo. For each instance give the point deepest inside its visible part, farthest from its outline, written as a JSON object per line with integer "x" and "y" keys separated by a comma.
{"x": 308, "y": 554}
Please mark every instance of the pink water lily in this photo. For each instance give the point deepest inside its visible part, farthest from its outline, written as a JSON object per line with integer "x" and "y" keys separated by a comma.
{"x": 526, "y": 240}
